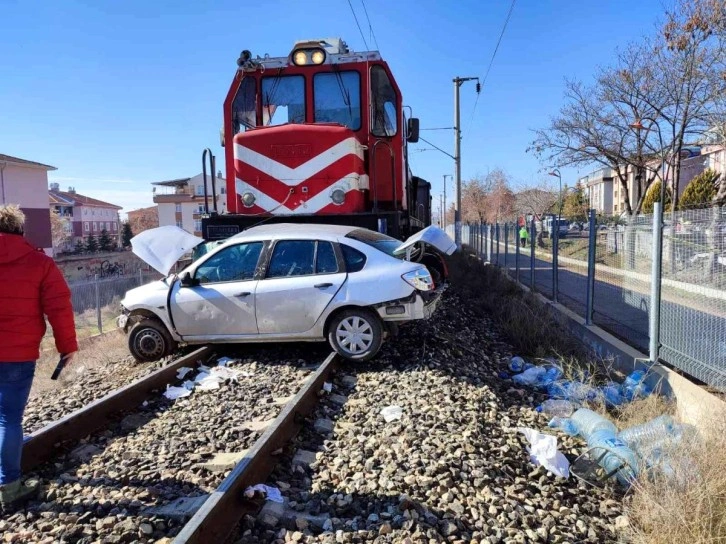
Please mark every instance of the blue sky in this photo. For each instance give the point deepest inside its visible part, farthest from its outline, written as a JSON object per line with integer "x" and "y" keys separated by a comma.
{"x": 117, "y": 95}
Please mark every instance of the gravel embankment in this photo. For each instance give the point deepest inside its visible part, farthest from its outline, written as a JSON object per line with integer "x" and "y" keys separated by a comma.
{"x": 452, "y": 469}
{"x": 99, "y": 492}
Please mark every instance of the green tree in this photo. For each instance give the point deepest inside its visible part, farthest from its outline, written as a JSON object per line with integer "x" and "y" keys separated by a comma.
{"x": 105, "y": 243}
{"x": 80, "y": 247}
{"x": 653, "y": 196}
{"x": 126, "y": 234}
{"x": 574, "y": 206}
{"x": 91, "y": 244}
{"x": 700, "y": 191}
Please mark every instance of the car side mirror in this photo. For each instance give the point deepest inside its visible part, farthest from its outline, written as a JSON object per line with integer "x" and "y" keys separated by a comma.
{"x": 186, "y": 280}
{"x": 412, "y": 130}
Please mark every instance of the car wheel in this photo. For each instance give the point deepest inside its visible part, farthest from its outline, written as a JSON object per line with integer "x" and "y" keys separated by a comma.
{"x": 150, "y": 341}
{"x": 356, "y": 334}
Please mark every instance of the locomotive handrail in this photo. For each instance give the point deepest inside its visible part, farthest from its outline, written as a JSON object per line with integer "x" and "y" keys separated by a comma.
{"x": 212, "y": 165}
{"x": 393, "y": 174}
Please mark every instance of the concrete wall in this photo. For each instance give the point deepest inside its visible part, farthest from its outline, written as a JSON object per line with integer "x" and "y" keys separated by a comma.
{"x": 106, "y": 265}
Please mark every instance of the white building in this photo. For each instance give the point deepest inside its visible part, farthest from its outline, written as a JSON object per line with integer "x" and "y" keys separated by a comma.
{"x": 181, "y": 201}
{"x": 599, "y": 189}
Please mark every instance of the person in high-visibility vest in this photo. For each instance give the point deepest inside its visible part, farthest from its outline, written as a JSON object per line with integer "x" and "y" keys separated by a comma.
{"x": 523, "y": 236}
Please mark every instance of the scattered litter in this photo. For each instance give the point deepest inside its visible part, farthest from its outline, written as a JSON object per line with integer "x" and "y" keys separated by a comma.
{"x": 204, "y": 368}
{"x": 392, "y": 413}
{"x": 516, "y": 364}
{"x": 173, "y": 393}
{"x": 225, "y": 373}
{"x": 224, "y": 361}
{"x": 530, "y": 376}
{"x": 189, "y": 384}
{"x": 613, "y": 455}
{"x": 271, "y": 493}
{"x": 208, "y": 384}
{"x": 543, "y": 451}
{"x": 556, "y": 407}
{"x": 182, "y": 372}
{"x": 327, "y": 387}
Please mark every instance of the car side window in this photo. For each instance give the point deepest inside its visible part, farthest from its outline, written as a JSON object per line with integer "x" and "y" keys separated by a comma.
{"x": 354, "y": 259}
{"x": 325, "y": 261}
{"x": 233, "y": 263}
{"x": 292, "y": 258}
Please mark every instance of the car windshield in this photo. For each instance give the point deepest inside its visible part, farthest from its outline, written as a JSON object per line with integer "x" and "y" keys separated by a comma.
{"x": 381, "y": 242}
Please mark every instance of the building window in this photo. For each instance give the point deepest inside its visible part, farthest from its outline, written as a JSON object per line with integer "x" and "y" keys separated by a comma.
{"x": 95, "y": 226}
{"x": 114, "y": 226}
{"x": 179, "y": 224}
{"x": 199, "y": 190}
{"x": 85, "y": 211}
{"x": 197, "y": 225}
{"x": 178, "y": 207}
{"x": 86, "y": 226}
{"x": 200, "y": 208}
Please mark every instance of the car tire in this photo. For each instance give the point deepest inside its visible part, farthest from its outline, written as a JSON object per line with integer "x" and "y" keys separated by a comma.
{"x": 150, "y": 341}
{"x": 356, "y": 334}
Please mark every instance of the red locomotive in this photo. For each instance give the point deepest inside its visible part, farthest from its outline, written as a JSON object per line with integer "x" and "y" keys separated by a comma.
{"x": 319, "y": 136}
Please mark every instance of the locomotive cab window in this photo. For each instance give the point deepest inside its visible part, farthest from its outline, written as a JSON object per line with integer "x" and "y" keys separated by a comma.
{"x": 384, "y": 119}
{"x": 337, "y": 98}
{"x": 244, "y": 107}
{"x": 283, "y": 100}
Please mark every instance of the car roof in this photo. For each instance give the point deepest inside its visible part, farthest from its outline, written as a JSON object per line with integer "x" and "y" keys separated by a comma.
{"x": 294, "y": 230}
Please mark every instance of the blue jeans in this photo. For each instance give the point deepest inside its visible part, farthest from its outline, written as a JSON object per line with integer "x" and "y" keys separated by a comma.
{"x": 15, "y": 382}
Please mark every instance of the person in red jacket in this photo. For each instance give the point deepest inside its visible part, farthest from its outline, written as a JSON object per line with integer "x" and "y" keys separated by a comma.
{"x": 31, "y": 288}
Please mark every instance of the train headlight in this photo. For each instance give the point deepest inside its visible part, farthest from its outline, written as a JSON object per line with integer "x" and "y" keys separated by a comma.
{"x": 300, "y": 58}
{"x": 318, "y": 57}
{"x": 248, "y": 199}
{"x": 337, "y": 196}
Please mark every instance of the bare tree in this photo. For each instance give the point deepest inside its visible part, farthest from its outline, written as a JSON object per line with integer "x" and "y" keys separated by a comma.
{"x": 58, "y": 229}
{"x": 474, "y": 195}
{"x": 536, "y": 200}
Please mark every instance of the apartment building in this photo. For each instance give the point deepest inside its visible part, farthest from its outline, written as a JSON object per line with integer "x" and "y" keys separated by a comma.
{"x": 86, "y": 215}
{"x": 599, "y": 189}
{"x": 25, "y": 183}
{"x": 181, "y": 201}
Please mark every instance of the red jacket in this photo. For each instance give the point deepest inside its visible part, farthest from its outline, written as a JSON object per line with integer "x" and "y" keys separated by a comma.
{"x": 31, "y": 286}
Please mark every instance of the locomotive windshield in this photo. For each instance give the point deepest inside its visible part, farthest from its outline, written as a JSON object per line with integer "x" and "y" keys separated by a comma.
{"x": 283, "y": 100}
{"x": 244, "y": 106}
{"x": 337, "y": 98}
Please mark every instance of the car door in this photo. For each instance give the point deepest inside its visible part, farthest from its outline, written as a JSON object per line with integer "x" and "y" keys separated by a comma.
{"x": 302, "y": 278}
{"x": 221, "y": 304}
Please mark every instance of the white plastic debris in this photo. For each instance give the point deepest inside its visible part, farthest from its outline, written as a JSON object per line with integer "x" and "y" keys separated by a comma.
{"x": 189, "y": 385}
{"x": 224, "y": 373}
{"x": 201, "y": 376}
{"x": 271, "y": 493}
{"x": 392, "y": 413}
{"x": 183, "y": 371}
{"x": 224, "y": 361}
{"x": 173, "y": 393}
{"x": 208, "y": 383}
{"x": 543, "y": 451}
{"x": 328, "y": 387}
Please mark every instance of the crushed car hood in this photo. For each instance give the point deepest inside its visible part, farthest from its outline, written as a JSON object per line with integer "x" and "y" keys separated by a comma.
{"x": 432, "y": 236}
{"x": 163, "y": 246}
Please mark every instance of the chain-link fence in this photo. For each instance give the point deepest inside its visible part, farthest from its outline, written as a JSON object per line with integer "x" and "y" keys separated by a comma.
{"x": 96, "y": 302}
{"x": 604, "y": 271}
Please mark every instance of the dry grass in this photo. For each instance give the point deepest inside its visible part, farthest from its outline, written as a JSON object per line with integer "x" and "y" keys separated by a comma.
{"x": 101, "y": 351}
{"x": 689, "y": 507}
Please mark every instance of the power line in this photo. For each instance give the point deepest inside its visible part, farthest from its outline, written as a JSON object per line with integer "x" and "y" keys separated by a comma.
{"x": 370, "y": 27}
{"x": 491, "y": 61}
{"x": 358, "y": 24}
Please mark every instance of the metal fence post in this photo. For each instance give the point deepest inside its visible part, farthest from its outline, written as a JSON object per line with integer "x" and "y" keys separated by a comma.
{"x": 655, "y": 283}
{"x": 506, "y": 243}
{"x": 516, "y": 251}
{"x": 591, "y": 249}
{"x": 555, "y": 251}
{"x": 497, "y": 244}
{"x": 491, "y": 243}
{"x": 532, "y": 236}
{"x": 98, "y": 303}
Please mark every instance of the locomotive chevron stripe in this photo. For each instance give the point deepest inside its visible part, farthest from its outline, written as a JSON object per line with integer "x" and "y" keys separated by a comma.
{"x": 265, "y": 202}
{"x": 293, "y": 176}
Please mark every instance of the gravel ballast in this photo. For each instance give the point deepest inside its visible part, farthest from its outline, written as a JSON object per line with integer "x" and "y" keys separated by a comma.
{"x": 452, "y": 469}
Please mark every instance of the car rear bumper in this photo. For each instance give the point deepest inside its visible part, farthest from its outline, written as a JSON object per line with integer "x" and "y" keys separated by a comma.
{"x": 417, "y": 306}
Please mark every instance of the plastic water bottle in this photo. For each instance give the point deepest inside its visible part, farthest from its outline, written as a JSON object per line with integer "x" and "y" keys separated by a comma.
{"x": 613, "y": 455}
{"x": 634, "y": 385}
{"x": 654, "y": 431}
{"x": 551, "y": 375}
{"x": 530, "y": 376}
{"x": 554, "y": 407}
{"x": 613, "y": 395}
{"x": 516, "y": 364}
{"x": 565, "y": 424}
{"x": 589, "y": 422}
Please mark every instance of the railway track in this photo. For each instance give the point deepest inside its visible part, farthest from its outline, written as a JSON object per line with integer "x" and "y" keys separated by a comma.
{"x": 117, "y": 488}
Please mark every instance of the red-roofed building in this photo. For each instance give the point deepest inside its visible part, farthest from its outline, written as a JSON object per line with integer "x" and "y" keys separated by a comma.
{"x": 85, "y": 215}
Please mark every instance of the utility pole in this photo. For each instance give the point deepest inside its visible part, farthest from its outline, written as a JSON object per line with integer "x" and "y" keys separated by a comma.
{"x": 445, "y": 176}
{"x": 441, "y": 212}
{"x": 457, "y": 153}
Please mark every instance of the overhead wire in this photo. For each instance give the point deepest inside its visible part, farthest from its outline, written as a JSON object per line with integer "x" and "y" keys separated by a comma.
{"x": 370, "y": 26}
{"x": 358, "y": 25}
{"x": 491, "y": 62}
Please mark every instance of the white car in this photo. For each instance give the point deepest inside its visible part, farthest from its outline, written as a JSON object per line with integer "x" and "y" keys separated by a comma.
{"x": 291, "y": 282}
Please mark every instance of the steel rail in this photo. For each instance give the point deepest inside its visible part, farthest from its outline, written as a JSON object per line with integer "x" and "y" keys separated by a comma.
{"x": 43, "y": 444}
{"x": 221, "y": 512}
